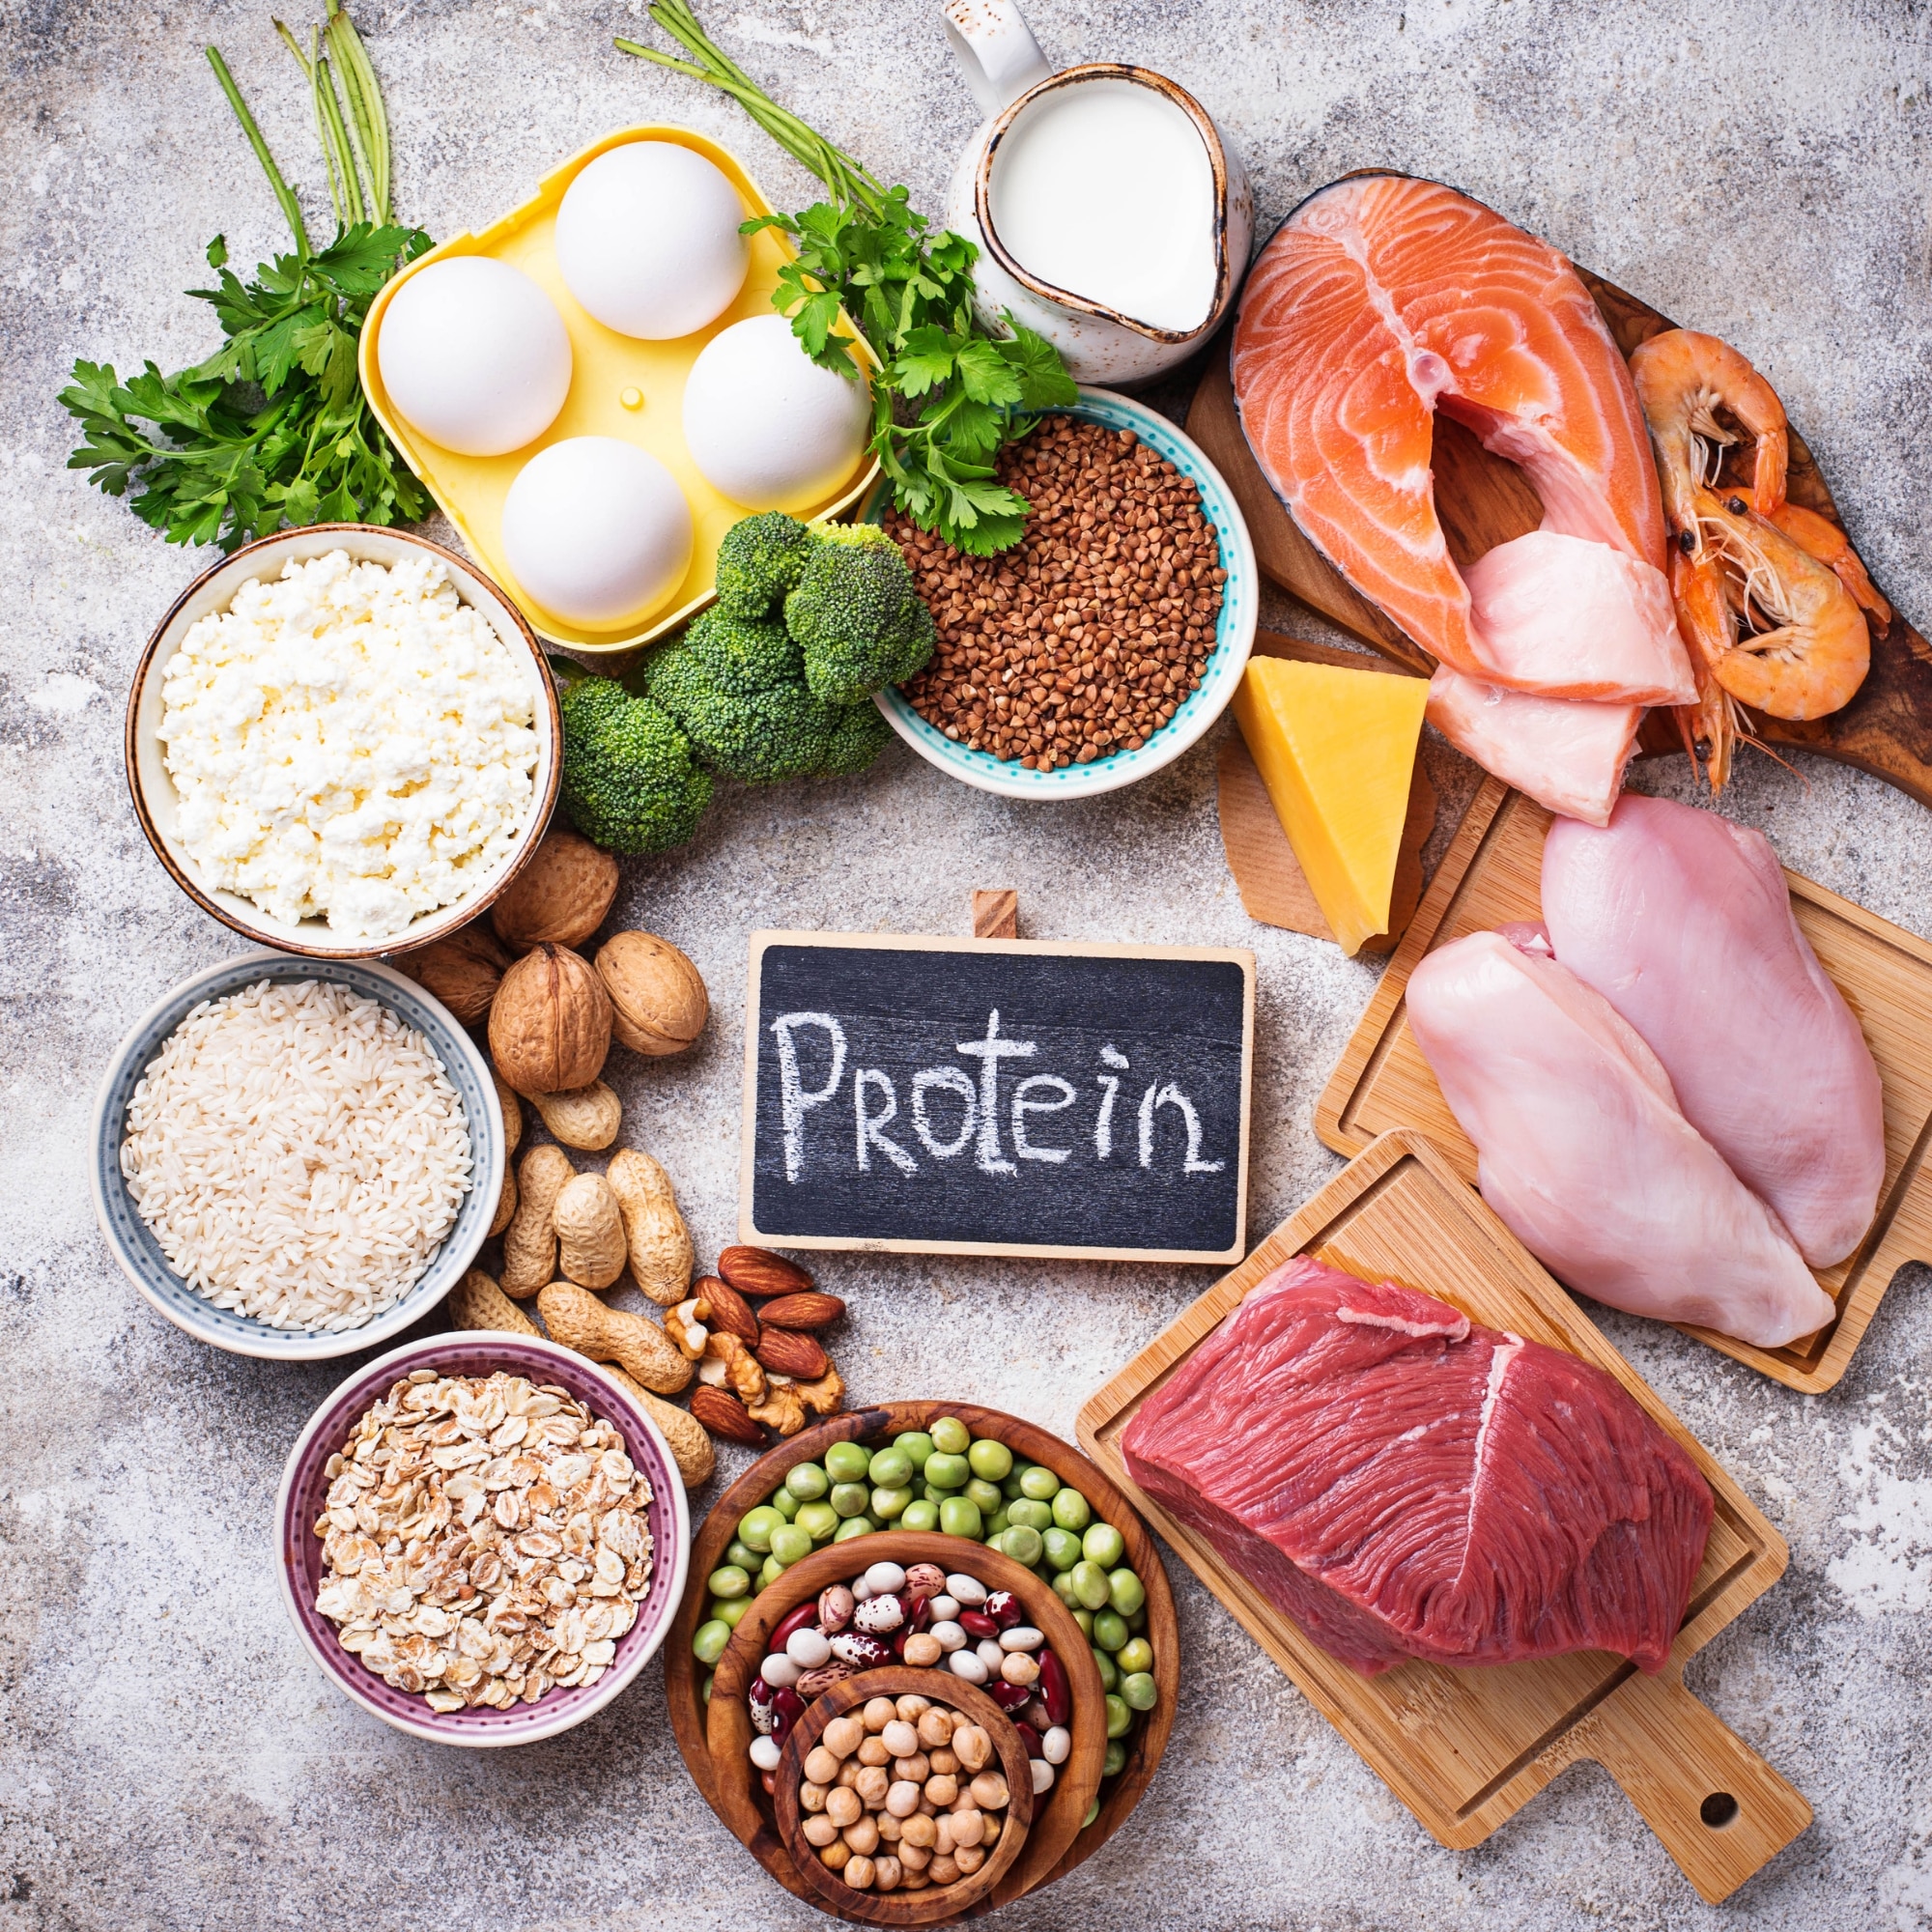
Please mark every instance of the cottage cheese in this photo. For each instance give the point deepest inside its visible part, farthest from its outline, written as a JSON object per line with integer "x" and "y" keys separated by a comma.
{"x": 351, "y": 742}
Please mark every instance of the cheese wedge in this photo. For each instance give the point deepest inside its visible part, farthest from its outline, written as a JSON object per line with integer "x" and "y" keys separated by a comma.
{"x": 1336, "y": 750}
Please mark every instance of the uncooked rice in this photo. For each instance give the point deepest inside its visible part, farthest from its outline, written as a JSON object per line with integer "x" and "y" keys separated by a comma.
{"x": 299, "y": 1154}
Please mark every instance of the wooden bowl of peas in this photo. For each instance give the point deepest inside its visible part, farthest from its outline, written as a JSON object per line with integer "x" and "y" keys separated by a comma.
{"x": 1038, "y": 1467}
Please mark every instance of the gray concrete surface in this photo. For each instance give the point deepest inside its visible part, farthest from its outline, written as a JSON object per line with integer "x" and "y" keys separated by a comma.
{"x": 170, "y": 1760}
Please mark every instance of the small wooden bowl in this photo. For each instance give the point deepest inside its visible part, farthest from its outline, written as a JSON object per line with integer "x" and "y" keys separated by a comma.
{"x": 932, "y": 1904}
{"x": 881, "y": 1423}
{"x": 735, "y": 1792}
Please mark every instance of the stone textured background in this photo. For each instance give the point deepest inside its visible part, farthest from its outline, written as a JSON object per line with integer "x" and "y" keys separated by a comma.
{"x": 170, "y": 1759}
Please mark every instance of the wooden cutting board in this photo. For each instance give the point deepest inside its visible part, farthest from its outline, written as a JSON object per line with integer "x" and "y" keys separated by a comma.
{"x": 1490, "y": 875}
{"x": 1465, "y": 1750}
{"x": 1482, "y": 500}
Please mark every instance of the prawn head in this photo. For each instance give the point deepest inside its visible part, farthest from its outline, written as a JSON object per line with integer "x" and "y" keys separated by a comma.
{"x": 1818, "y": 536}
{"x": 1683, "y": 377}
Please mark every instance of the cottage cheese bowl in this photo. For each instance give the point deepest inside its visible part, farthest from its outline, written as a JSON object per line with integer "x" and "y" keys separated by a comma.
{"x": 343, "y": 741}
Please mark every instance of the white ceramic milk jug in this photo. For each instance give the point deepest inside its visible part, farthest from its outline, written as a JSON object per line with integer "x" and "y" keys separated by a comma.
{"x": 1109, "y": 214}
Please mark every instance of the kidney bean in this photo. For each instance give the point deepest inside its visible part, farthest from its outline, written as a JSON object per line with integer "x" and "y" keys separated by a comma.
{"x": 770, "y": 1783}
{"x": 1005, "y": 1608}
{"x": 802, "y": 1618}
{"x": 921, "y": 1616}
{"x": 976, "y": 1623}
{"x": 1035, "y": 1746}
{"x": 787, "y": 1708}
{"x": 1008, "y": 1696}
{"x": 1055, "y": 1692}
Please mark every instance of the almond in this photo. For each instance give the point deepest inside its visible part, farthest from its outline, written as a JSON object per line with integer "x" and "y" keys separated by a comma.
{"x": 784, "y": 1351}
{"x": 724, "y": 1414}
{"x": 759, "y": 1271}
{"x": 810, "y": 1310}
{"x": 729, "y": 1310}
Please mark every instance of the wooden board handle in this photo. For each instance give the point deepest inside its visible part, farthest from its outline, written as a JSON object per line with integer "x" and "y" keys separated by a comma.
{"x": 1720, "y": 1811}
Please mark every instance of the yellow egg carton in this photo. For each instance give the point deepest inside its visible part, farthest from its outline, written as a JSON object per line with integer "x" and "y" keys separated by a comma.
{"x": 620, "y": 387}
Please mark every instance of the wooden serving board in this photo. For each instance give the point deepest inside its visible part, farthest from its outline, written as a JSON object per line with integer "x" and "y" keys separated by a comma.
{"x": 1465, "y": 1750}
{"x": 1492, "y": 874}
{"x": 1483, "y": 500}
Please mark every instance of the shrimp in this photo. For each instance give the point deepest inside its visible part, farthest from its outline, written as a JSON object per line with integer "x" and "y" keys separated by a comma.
{"x": 1818, "y": 536}
{"x": 1816, "y": 650}
{"x": 1683, "y": 377}
{"x": 1709, "y": 630}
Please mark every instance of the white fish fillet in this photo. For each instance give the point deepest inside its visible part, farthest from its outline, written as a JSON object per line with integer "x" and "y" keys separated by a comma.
{"x": 1567, "y": 755}
{"x": 1586, "y": 1156}
{"x": 1682, "y": 921}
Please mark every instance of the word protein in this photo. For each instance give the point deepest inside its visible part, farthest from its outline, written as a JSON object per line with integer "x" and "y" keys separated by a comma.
{"x": 997, "y": 1096}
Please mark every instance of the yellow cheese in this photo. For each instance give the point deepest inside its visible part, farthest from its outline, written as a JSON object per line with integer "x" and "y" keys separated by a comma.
{"x": 1336, "y": 750}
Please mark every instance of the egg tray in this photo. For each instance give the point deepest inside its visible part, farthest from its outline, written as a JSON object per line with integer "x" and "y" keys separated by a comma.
{"x": 470, "y": 490}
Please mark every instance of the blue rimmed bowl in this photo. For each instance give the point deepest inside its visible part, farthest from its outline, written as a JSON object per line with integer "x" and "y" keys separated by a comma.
{"x": 1234, "y": 636}
{"x": 133, "y": 1241}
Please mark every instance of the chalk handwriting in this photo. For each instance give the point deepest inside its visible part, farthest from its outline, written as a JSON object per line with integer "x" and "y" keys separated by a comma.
{"x": 794, "y": 1102}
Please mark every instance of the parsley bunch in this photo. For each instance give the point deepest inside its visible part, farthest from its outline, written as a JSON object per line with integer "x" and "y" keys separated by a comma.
{"x": 949, "y": 392}
{"x": 272, "y": 429}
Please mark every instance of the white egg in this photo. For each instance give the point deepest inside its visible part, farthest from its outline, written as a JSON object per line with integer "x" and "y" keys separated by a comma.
{"x": 474, "y": 354}
{"x": 765, "y": 424}
{"x": 597, "y": 531}
{"x": 647, "y": 240}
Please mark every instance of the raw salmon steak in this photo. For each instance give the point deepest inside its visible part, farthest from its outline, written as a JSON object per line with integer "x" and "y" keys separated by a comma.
{"x": 1378, "y": 302}
{"x": 1404, "y": 1484}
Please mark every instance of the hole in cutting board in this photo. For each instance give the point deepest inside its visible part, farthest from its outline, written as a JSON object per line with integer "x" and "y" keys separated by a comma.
{"x": 1718, "y": 1809}
{"x": 1481, "y": 500}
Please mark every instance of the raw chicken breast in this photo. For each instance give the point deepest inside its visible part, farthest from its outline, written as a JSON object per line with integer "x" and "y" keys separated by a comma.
{"x": 1586, "y": 1156}
{"x": 1568, "y": 757}
{"x": 1682, "y": 921}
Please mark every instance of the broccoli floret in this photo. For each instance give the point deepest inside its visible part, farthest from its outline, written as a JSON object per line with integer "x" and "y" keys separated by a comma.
{"x": 737, "y": 689}
{"x": 758, "y": 562}
{"x": 856, "y": 615}
{"x": 859, "y": 735}
{"x": 629, "y": 783}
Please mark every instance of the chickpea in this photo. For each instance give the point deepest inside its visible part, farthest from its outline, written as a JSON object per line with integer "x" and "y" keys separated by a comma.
{"x": 990, "y": 1791}
{"x": 848, "y": 1772}
{"x": 886, "y": 1874}
{"x": 1017, "y": 1667}
{"x": 989, "y": 1834}
{"x": 899, "y": 1738}
{"x": 942, "y": 1871}
{"x": 942, "y": 1835}
{"x": 969, "y": 1826}
{"x": 843, "y": 1805}
{"x": 819, "y": 1831}
{"x": 843, "y": 1736}
{"x": 902, "y": 1800}
{"x": 879, "y": 1713}
{"x": 859, "y": 1872}
{"x": 941, "y": 1787}
{"x": 924, "y": 1649}
{"x": 863, "y": 1835}
{"x": 820, "y": 1766}
{"x": 872, "y": 1784}
{"x": 914, "y": 1881}
{"x": 973, "y": 1746}
{"x": 810, "y": 1797}
{"x": 941, "y": 1763}
{"x": 919, "y": 1832}
{"x": 969, "y": 1859}
{"x": 915, "y": 1858}
{"x": 836, "y": 1855}
{"x": 913, "y": 1768}
{"x": 874, "y": 1751}
{"x": 935, "y": 1727}
{"x": 911, "y": 1709}
{"x": 889, "y": 1828}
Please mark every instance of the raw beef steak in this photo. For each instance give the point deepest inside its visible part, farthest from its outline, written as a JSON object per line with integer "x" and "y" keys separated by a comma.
{"x": 1403, "y": 1484}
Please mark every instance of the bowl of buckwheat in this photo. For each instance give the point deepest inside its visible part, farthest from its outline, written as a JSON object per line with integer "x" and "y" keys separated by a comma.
{"x": 481, "y": 1539}
{"x": 1106, "y": 641}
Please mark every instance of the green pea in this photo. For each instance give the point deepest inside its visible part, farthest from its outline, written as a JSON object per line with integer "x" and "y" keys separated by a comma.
{"x": 984, "y": 1495}
{"x": 1125, "y": 1592}
{"x": 1084, "y": 1617}
{"x": 733, "y": 1612}
{"x": 784, "y": 1502}
{"x": 1103, "y": 1544}
{"x": 1109, "y": 1673}
{"x": 1036, "y": 1515}
{"x": 952, "y": 1434}
{"x": 889, "y": 1503}
{"x": 890, "y": 1469}
{"x": 791, "y": 1543}
{"x": 847, "y": 1461}
{"x": 744, "y": 1555}
{"x": 1021, "y": 1542}
{"x": 730, "y": 1582}
{"x": 704, "y": 1688}
{"x": 708, "y": 1642}
{"x": 855, "y": 1525}
{"x": 1009, "y": 1486}
{"x": 1119, "y": 1716}
{"x": 996, "y": 1523}
{"x": 1135, "y": 1655}
{"x": 1093, "y": 1810}
{"x": 1039, "y": 1482}
{"x": 849, "y": 1498}
{"x": 1115, "y": 1762}
{"x": 1071, "y": 1510}
{"x": 1063, "y": 1588}
{"x": 1062, "y": 1548}
{"x": 754, "y": 1530}
{"x": 1090, "y": 1585}
{"x": 1140, "y": 1691}
{"x": 1110, "y": 1630}
{"x": 1137, "y": 1620}
{"x": 947, "y": 1469}
{"x": 916, "y": 1444}
{"x": 807, "y": 1482}
{"x": 770, "y": 1574}
{"x": 932, "y": 1495}
{"x": 959, "y": 1517}
{"x": 993, "y": 1461}
{"x": 921, "y": 1514}
{"x": 818, "y": 1520}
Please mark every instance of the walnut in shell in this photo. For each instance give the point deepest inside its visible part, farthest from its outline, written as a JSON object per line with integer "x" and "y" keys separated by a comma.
{"x": 462, "y": 971}
{"x": 560, "y": 896}
{"x": 658, "y": 997}
{"x": 549, "y": 1026}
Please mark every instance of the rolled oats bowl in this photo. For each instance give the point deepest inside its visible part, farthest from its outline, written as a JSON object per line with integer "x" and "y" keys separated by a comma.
{"x": 461, "y": 1642}
{"x": 343, "y": 741}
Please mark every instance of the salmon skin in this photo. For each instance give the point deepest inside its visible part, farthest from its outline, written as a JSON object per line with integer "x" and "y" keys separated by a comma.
{"x": 1383, "y": 299}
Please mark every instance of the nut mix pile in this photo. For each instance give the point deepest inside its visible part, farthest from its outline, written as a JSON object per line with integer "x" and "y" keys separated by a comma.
{"x": 1087, "y": 638}
{"x": 901, "y": 1795}
{"x": 486, "y": 1541}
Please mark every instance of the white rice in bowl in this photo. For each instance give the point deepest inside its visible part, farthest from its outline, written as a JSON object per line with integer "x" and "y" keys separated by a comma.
{"x": 299, "y": 1153}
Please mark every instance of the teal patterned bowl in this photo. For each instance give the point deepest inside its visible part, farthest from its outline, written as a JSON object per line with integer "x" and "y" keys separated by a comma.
{"x": 1235, "y": 637}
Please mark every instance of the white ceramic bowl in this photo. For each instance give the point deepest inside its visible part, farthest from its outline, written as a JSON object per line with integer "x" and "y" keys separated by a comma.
{"x": 1233, "y": 637}
{"x": 133, "y": 1241}
{"x": 157, "y": 804}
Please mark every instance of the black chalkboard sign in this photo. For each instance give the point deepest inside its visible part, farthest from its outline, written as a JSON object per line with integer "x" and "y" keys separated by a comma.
{"x": 997, "y": 1096}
